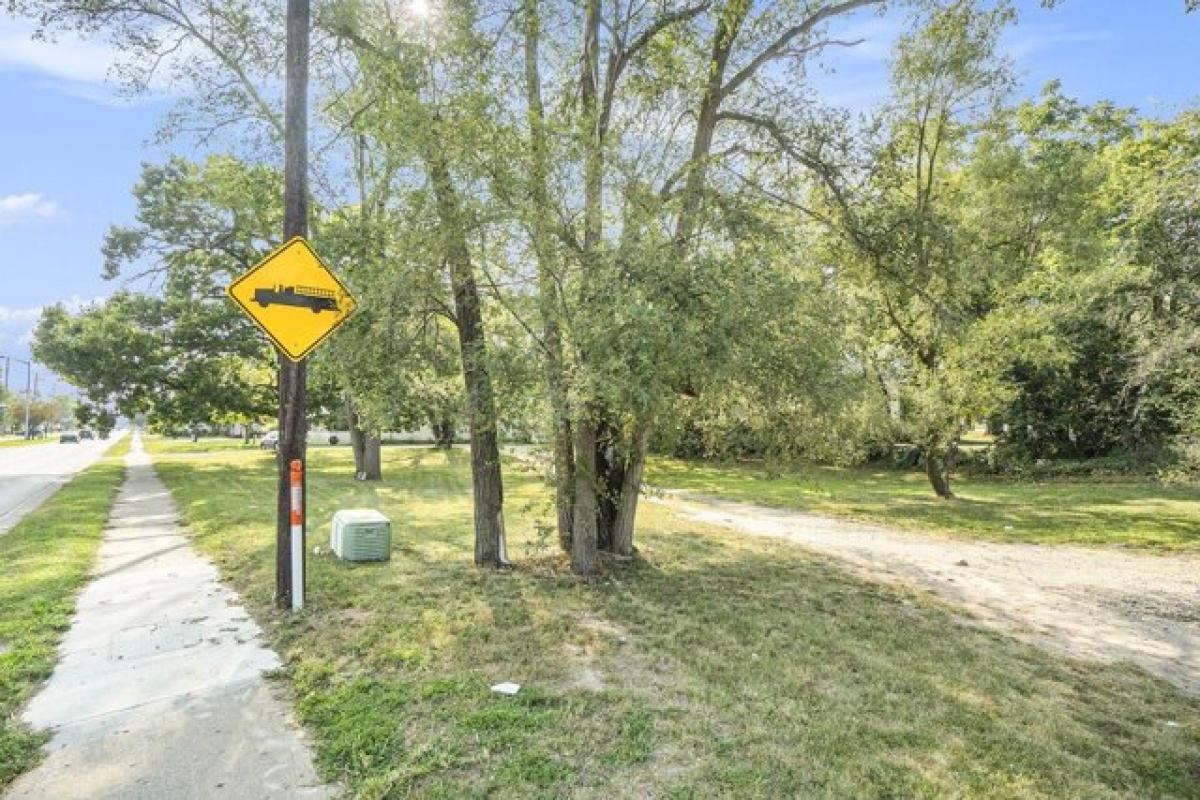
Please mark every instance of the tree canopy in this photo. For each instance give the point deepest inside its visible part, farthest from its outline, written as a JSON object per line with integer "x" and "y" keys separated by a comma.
{"x": 618, "y": 227}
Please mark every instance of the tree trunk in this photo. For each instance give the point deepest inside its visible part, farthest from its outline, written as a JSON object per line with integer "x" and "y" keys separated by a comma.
{"x": 372, "y": 466}
{"x": 481, "y": 401}
{"x": 584, "y": 557}
{"x": 631, "y": 487}
{"x": 937, "y": 468}
{"x": 610, "y": 467}
{"x": 368, "y": 459}
{"x": 728, "y": 26}
{"x": 564, "y": 455}
{"x": 358, "y": 439}
{"x": 549, "y": 299}
{"x": 443, "y": 433}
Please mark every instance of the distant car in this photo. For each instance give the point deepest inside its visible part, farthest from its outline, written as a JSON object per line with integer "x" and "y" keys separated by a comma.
{"x": 269, "y": 441}
{"x": 68, "y": 437}
{"x": 86, "y": 434}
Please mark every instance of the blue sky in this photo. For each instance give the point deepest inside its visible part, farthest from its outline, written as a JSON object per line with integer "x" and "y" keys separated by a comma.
{"x": 70, "y": 151}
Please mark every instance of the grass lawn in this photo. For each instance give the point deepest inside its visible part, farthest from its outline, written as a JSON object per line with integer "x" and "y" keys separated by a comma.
{"x": 215, "y": 444}
{"x": 714, "y": 665}
{"x": 44, "y": 560}
{"x": 1130, "y": 512}
{"x": 206, "y": 444}
{"x": 22, "y": 442}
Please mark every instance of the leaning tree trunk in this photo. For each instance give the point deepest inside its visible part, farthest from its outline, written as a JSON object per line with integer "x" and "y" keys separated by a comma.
{"x": 937, "y": 468}
{"x": 481, "y": 401}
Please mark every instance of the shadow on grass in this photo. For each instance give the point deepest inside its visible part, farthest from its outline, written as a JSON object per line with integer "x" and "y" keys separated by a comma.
{"x": 750, "y": 670}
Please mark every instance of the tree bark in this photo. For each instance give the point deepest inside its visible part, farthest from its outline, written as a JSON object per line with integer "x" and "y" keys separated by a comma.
{"x": 358, "y": 438}
{"x": 481, "y": 401}
{"x": 548, "y": 292}
{"x": 610, "y": 466}
{"x": 728, "y": 26}
{"x": 584, "y": 557}
{"x": 631, "y": 487}
{"x": 443, "y": 433}
{"x": 372, "y": 466}
{"x": 937, "y": 468}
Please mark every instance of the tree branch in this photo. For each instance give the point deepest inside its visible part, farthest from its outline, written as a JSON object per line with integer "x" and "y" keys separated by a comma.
{"x": 781, "y": 44}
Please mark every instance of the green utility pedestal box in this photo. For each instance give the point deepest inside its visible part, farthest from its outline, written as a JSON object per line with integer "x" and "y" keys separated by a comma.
{"x": 361, "y": 534}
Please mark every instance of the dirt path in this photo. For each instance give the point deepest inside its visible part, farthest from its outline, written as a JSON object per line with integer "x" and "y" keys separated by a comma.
{"x": 1104, "y": 604}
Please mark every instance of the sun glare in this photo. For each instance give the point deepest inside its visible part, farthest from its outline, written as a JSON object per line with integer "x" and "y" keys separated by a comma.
{"x": 419, "y": 8}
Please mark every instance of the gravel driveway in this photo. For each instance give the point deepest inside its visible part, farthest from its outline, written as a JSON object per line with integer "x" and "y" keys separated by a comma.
{"x": 1105, "y": 604}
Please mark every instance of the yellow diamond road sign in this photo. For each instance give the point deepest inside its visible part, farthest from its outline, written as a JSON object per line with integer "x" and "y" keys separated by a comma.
{"x": 294, "y": 298}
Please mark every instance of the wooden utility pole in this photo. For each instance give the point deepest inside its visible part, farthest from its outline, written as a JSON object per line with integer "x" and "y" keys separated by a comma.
{"x": 293, "y": 428}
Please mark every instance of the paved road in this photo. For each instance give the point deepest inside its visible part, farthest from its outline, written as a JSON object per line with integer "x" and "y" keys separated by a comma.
{"x": 160, "y": 691}
{"x": 28, "y": 475}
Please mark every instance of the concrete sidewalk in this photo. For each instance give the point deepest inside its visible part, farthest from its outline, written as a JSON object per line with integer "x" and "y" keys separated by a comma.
{"x": 159, "y": 692}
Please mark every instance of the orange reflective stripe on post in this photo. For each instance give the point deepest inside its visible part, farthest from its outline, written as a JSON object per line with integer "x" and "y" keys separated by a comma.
{"x": 297, "y": 492}
{"x": 297, "y": 525}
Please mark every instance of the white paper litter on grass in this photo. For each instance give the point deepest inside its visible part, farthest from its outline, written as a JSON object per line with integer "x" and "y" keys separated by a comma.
{"x": 506, "y": 688}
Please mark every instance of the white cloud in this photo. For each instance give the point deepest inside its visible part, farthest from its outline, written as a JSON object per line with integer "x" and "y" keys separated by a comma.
{"x": 69, "y": 58}
{"x": 25, "y": 207}
{"x": 16, "y": 330}
{"x": 17, "y": 323}
{"x": 12, "y": 317}
{"x": 80, "y": 67}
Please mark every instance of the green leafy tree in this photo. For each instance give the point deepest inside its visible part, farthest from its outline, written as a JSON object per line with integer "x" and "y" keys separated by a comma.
{"x": 184, "y": 354}
{"x": 622, "y": 205}
{"x": 141, "y": 354}
{"x": 424, "y": 102}
{"x": 1106, "y": 208}
{"x": 1153, "y": 196}
{"x": 942, "y": 298}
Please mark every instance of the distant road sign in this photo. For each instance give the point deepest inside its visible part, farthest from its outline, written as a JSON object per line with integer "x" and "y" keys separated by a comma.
{"x": 294, "y": 298}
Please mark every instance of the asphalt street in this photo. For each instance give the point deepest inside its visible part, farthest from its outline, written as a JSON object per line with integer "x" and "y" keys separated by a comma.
{"x": 28, "y": 475}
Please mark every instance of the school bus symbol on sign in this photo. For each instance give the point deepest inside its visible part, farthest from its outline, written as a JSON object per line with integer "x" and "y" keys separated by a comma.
{"x": 294, "y": 298}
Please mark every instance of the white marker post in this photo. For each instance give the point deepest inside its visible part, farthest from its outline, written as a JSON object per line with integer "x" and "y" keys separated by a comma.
{"x": 297, "y": 535}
